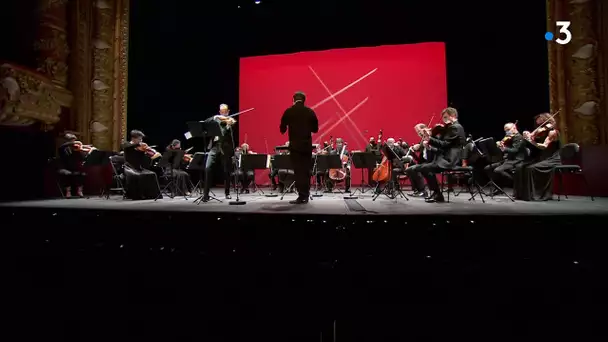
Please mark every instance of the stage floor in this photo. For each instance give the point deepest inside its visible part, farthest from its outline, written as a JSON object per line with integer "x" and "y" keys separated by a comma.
{"x": 334, "y": 204}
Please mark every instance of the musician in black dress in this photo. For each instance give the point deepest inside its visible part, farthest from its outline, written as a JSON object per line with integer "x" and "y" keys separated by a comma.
{"x": 448, "y": 153}
{"x": 535, "y": 181}
{"x": 514, "y": 147}
{"x": 222, "y": 147}
{"x": 419, "y": 155}
{"x": 181, "y": 177}
{"x": 71, "y": 167}
{"x": 301, "y": 122}
{"x": 245, "y": 177}
{"x": 140, "y": 182}
{"x": 342, "y": 151}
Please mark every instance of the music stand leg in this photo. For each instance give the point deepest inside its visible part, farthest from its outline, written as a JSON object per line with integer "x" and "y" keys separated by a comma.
{"x": 288, "y": 189}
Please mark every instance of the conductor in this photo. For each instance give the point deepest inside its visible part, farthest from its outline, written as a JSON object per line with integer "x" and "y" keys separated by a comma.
{"x": 302, "y": 122}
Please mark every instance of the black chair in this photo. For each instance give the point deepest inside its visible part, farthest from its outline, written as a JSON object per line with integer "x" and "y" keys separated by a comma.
{"x": 53, "y": 165}
{"x": 464, "y": 171}
{"x": 570, "y": 156}
{"x": 117, "y": 162}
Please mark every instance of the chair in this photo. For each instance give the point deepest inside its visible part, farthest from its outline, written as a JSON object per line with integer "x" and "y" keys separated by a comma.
{"x": 53, "y": 166}
{"x": 570, "y": 155}
{"x": 466, "y": 171}
{"x": 117, "y": 185}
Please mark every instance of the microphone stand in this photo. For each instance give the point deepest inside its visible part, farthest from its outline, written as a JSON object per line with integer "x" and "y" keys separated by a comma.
{"x": 237, "y": 201}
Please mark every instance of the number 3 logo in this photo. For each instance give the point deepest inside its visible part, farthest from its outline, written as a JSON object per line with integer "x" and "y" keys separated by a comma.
{"x": 563, "y": 29}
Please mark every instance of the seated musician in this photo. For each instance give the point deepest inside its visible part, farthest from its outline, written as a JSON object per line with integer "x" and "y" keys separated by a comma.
{"x": 245, "y": 177}
{"x": 448, "y": 154}
{"x": 420, "y": 155}
{"x": 282, "y": 174}
{"x": 320, "y": 175}
{"x": 71, "y": 156}
{"x": 535, "y": 181}
{"x": 395, "y": 154}
{"x": 372, "y": 147}
{"x": 140, "y": 183}
{"x": 341, "y": 151}
{"x": 182, "y": 178}
{"x": 513, "y": 145}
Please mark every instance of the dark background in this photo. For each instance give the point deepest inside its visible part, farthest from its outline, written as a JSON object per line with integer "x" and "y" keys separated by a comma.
{"x": 184, "y": 56}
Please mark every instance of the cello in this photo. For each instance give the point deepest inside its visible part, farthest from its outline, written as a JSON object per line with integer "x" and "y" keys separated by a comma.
{"x": 382, "y": 171}
{"x": 340, "y": 174}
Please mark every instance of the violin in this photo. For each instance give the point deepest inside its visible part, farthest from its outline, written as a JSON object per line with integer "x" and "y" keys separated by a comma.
{"x": 80, "y": 147}
{"x": 149, "y": 151}
{"x": 225, "y": 119}
{"x": 438, "y": 130}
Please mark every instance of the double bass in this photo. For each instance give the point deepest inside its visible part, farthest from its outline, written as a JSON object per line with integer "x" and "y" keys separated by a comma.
{"x": 382, "y": 171}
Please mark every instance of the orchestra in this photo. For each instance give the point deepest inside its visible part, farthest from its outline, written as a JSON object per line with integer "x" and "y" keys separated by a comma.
{"x": 527, "y": 162}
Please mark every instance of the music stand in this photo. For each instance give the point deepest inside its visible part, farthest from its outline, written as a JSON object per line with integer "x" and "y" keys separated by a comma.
{"x": 173, "y": 160}
{"x": 198, "y": 164}
{"x": 493, "y": 155}
{"x": 331, "y": 161}
{"x": 205, "y": 129}
{"x": 252, "y": 162}
{"x": 364, "y": 161}
{"x": 320, "y": 165}
{"x": 98, "y": 158}
{"x": 391, "y": 186}
{"x": 283, "y": 162}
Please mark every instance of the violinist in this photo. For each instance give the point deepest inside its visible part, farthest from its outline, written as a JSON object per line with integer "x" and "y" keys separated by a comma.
{"x": 182, "y": 178}
{"x": 71, "y": 166}
{"x": 534, "y": 181}
{"x": 245, "y": 177}
{"x": 447, "y": 151}
{"x": 513, "y": 145}
{"x": 420, "y": 155}
{"x": 140, "y": 182}
{"x": 220, "y": 147}
{"x": 342, "y": 151}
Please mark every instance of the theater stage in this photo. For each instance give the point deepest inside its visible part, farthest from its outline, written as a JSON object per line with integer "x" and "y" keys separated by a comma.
{"x": 330, "y": 205}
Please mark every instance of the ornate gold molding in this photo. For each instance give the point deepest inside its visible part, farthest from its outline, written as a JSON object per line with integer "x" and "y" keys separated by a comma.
{"x": 602, "y": 24}
{"x": 52, "y": 42}
{"x": 27, "y": 97}
{"x": 573, "y": 72}
{"x": 121, "y": 71}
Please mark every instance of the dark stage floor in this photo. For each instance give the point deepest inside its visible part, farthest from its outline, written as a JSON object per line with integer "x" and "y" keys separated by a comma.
{"x": 334, "y": 204}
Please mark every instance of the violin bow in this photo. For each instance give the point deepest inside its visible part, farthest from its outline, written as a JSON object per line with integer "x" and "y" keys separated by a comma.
{"x": 241, "y": 112}
{"x": 544, "y": 123}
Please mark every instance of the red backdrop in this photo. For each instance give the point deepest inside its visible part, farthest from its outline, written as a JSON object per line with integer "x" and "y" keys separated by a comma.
{"x": 387, "y": 87}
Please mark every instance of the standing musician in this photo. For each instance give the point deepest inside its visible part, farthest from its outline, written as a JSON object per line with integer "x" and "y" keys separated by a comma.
{"x": 420, "y": 155}
{"x": 221, "y": 147}
{"x": 513, "y": 145}
{"x": 182, "y": 177}
{"x": 71, "y": 157}
{"x": 342, "y": 151}
{"x": 302, "y": 122}
{"x": 535, "y": 180}
{"x": 140, "y": 182}
{"x": 448, "y": 153}
{"x": 245, "y": 177}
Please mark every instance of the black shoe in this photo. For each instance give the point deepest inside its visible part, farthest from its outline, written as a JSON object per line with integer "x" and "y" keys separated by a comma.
{"x": 419, "y": 194}
{"x": 228, "y": 196}
{"x": 347, "y": 190}
{"x": 436, "y": 198}
{"x": 205, "y": 198}
{"x": 299, "y": 200}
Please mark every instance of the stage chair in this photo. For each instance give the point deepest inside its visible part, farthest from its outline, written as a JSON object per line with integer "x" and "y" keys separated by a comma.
{"x": 570, "y": 155}
{"x": 53, "y": 166}
{"x": 464, "y": 171}
{"x": 117, "y": 163}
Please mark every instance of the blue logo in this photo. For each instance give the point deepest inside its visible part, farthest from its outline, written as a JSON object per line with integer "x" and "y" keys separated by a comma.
{"x": 549, "y": 36}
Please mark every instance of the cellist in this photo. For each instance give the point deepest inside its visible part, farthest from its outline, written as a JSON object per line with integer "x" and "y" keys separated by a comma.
{"x": 342, "y": 151}
{"x": 394, "y": 154}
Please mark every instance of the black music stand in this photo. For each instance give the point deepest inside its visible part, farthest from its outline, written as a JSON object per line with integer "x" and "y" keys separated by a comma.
{"x": 364, "y": 161}
{"x": 330, "y": 161}
{"x": 283, "y": 162}
{"x": 493, "y": 154}
{"x": 98, "y": 158}
{"x": 391, "y": 186}
{"x": 253, "y": 162}
{"x": 205, "y": 129}
{"x": 319, "y": 165}
{"x": 198, "y": 164}
{"x": 172, "y": 159}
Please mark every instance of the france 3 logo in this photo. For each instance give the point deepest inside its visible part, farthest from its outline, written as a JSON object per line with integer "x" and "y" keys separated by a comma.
{"x": 563, "y": 32}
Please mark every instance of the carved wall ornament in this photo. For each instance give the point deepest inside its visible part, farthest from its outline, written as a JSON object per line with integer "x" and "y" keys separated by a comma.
{"x": 584, "y": 52}
{"x": 102, "y": 4}
{"x": 588, "y": 108}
